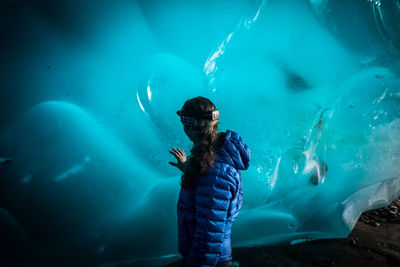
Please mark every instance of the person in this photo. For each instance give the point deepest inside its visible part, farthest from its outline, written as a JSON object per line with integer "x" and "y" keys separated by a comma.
{"x": 210, "y": 196}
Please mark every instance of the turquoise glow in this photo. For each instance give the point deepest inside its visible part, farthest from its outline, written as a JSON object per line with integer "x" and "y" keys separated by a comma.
{"x": 89, "y": 99}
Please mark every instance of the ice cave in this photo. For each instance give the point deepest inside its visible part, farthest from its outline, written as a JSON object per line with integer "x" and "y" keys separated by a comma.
{"x": 89, "y": 93}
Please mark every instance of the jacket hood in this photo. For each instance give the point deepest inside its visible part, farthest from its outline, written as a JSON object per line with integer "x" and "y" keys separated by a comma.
{"x": 235, "y": 151}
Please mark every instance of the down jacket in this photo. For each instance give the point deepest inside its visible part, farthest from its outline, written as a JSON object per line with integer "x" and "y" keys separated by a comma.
{"x": 206, "y": 212}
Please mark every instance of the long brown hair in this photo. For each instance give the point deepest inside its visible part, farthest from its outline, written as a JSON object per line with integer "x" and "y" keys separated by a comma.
{"x": 206, "y": 143}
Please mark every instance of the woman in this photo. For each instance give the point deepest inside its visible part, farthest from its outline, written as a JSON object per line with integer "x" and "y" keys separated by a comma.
{"x": 211, "y": 190}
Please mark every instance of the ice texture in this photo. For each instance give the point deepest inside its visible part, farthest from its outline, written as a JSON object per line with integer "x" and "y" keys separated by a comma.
{"x": 89, "y": 93}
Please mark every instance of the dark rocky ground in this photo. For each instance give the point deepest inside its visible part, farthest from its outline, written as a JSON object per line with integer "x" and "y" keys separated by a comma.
{"x": 374, "y": 241}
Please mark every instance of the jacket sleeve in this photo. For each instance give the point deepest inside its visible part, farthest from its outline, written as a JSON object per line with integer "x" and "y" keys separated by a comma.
{"x": 213, "y": 196}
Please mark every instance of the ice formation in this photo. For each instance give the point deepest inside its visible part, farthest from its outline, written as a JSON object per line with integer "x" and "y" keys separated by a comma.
{"x": 89, "y": 95}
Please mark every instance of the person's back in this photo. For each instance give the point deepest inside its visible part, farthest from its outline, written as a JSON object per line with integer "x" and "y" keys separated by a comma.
{"x": 206, "y": 213}
{"x": 211, "y": 190}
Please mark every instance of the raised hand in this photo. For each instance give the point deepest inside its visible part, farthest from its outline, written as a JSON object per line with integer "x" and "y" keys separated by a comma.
{"x": 180, "y": 156}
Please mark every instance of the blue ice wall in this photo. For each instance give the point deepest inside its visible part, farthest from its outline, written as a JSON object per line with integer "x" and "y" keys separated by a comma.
{"x": 88, "y": 98}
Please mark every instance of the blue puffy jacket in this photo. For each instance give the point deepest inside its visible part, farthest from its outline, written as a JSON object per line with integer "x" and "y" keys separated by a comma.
{"x": 206, "y": 213}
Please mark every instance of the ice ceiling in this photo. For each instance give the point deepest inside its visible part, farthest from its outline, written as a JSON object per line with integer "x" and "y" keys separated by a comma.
{"x": 88, "y": 99}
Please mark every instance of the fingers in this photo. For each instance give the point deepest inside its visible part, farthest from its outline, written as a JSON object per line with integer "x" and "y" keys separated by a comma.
{"x": 178, "y": 151}
{"x": 182, "y": 152}
{"x": 179, "y": 155}
{"x": 175, "y": 154}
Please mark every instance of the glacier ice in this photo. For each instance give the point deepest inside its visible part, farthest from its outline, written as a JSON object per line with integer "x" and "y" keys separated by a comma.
{"x": 88, "y": 116}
